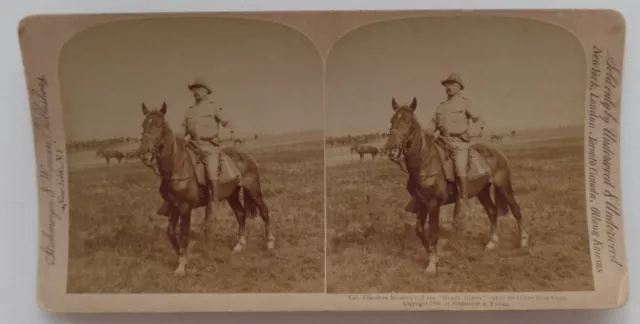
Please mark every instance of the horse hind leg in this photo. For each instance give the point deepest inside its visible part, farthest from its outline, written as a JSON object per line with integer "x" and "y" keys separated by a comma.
{"x": 515, "y": 210}
{"x": 238, "y": 210}
{"x": 485, "y": 199}
{"x": 505, "y": 200}
{"x": 254, "y": 200}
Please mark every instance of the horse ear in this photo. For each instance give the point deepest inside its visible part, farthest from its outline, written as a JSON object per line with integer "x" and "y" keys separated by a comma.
{"x": 414, "y": 103}
{"x": 163, "y": 109}
{"x": 145, "y": 110}
{"x": 394, "y": 104}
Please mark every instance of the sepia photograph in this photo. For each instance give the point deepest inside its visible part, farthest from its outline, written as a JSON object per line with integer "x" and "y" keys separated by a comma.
{"x": 455, "y": 158}
{"x": 195, "y": 157}
{"x": 327, "y": 160}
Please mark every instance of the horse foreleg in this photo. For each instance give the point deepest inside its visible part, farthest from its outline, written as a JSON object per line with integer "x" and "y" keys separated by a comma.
{"x": 421, "y": 221}
{"x": 434, "y": 233}
{"x": 185, "y": 226}
{"x": 174, "y": 216}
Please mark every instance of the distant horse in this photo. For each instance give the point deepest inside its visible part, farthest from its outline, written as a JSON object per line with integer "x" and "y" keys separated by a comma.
{"x": 183, "y": 186}
{"x": 239, "y": 141}
{"x": 364, "y": 149}
{"x": 109, "y": 154}
{"x": 127, "y": 157}
{"x": 420, "y": 155}
{"x": 496, "y": 137}
{"x": 383, "y": 151}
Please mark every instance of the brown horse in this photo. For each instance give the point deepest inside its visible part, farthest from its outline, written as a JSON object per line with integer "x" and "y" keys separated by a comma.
{"x": 363, "y": 149}
{"x": 418, "y": 154}
{"x": 183, "y": 189}
{"x": 109, "y": 154}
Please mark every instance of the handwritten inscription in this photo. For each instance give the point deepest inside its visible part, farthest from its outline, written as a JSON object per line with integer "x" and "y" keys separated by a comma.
{"x": 602, "y": 146}
{"x": 51, "y": 173}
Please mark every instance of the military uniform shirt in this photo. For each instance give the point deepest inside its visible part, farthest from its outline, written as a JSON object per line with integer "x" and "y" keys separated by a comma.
{"x": 203, "y": 118}
{"x": 452, "y": 116}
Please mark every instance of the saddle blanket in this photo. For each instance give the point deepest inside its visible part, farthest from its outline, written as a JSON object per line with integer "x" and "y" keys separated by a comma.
{"x": 476, "y": 168}
{"x": 228, "y": 172}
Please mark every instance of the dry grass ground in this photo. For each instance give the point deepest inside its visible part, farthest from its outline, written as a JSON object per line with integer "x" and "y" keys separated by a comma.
{"x": 119, "y": 245}
{"x": 372, "y": 246}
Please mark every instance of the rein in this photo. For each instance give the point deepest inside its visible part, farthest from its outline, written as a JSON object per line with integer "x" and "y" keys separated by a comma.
{"x": 403, "y": 149}
{"x": 151, "y": 165}
{"x": 157, "y": 157}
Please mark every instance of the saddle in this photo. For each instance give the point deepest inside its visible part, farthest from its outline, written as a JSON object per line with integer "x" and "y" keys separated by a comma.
{"x": 476, "y": 168}
{"x": 228, "y": 173}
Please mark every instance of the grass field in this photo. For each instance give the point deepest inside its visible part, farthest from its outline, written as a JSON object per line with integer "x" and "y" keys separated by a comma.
{"x": 372, "y": 245}
{"x": 119, "y": 245}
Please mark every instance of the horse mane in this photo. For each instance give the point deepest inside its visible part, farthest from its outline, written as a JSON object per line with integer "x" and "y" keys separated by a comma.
{"x": 424, "y": 156}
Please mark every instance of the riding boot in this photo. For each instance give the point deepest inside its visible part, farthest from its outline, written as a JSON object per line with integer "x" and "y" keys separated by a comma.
{"x": 213, "y": 187}
{"x": 463, "y": 197}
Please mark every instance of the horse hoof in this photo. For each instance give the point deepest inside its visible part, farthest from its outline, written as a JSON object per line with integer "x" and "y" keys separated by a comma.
{"x": 431, "y": 270}
{"x": 238, "y": 248}
{"x": 179, "y": 273}
{"x": 270, "y": 245}
{"x": 524, "y": 243}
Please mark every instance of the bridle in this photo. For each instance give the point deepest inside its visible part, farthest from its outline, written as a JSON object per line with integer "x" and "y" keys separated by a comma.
{"x": 155, "y": 152}
{"x": 402, "y": 150}
{"x": 151, "y": 162}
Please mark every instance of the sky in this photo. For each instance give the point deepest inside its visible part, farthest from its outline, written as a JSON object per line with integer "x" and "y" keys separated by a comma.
{"x": 519, "y": 73}
{"x": 268, "y": 77}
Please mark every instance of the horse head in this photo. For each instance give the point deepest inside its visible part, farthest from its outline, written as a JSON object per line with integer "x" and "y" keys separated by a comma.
{"x": 404, "y": 126}
{"x": 154, "y": 128}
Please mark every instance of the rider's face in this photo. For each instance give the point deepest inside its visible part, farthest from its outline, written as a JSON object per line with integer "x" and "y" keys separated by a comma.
{"x": 452, "y": 88}
{"x": 199, "y": 93}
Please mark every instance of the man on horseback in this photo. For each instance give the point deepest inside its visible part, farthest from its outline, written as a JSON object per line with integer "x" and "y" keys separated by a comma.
{"x": 451, "y": 121}
{"x": 201, "y": 124}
